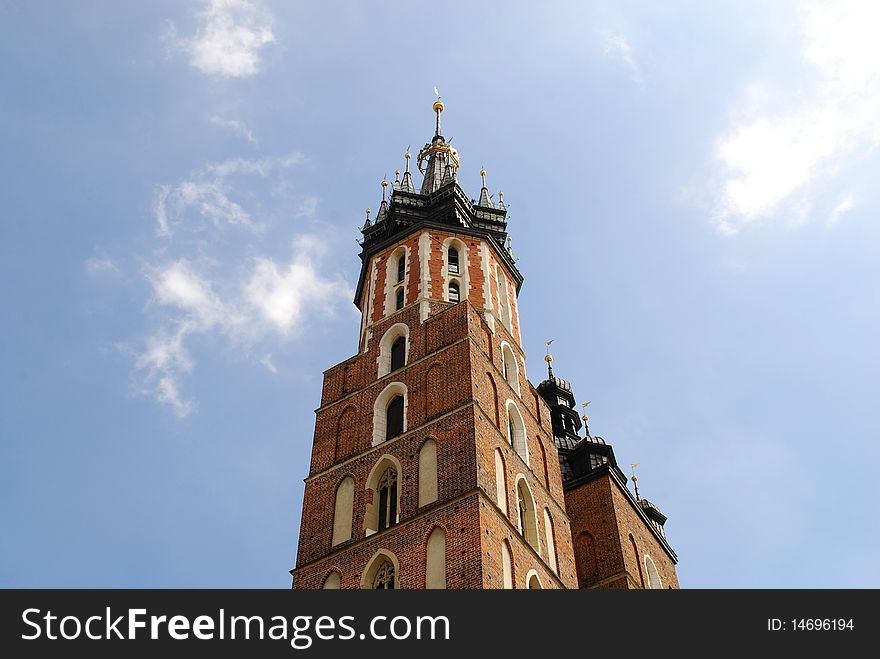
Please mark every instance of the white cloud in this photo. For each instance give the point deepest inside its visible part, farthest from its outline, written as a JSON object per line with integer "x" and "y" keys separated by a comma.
{"x": 258, "y": 167}
{"x": 616, "y": 46}
{"x": 99, "y": 266}
{"x": 237, "y": 127}
{"x": 229, "y": 39}
{"x": 786, "y": 144}
{"x": 262, "y": 303}
{"x": 280, "y": 294}
{"x": 206, "y": 197}
{"x": 844, "y": 206}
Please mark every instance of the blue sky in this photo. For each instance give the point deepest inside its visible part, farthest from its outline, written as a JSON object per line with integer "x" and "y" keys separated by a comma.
{"x": 693, "y": 202}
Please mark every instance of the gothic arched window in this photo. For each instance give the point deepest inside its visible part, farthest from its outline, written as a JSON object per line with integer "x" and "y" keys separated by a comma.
{"x": 398, "y": 353}
{"x": 384, "y": 579}
{"x": 528, "y": 526}
{"x": 454, "y": 295}
{"x": 401, "y": 268}
{"x": 398, "y": 299}
{"x": 387, "y": 491}
{"x": 452, "y": 261}
{"x": 394, "y": 418}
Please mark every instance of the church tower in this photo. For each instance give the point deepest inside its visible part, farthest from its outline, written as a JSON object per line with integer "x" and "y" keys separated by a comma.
{"x": 435, "y": 463}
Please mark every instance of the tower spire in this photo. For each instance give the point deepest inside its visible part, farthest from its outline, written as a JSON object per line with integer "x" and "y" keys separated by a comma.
{"x": 437, "y": 160}
{"x": 407, "y": 184}
{"x": 383, "y": 207}
{"x": 438, "y": 108}
{"x": 635, "y": 480}
{"x": 485, "y": 199}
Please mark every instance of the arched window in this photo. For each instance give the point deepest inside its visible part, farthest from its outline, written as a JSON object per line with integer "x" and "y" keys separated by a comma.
{"x": 550, "y": 541}
{"x": 585, "y": 559}
{"x": 401, "y": 268}
{"x": 332, "y": 581}
{"x": 394, "y": 418}
{"x": 389, "y": 414}
{"x": 533, "y": 582}
{"x": 384, "y": 579}
{"x": 388, "y": 346}
{"x": 382, "y": 572}
{"x": 398, "y": 299}
{"x": 382, "y": 498}
{"x": 528, "y": 526}
{"x": 387, "y": 491}
{"x": 452, "y": 261}
{"x": 435, "y": 564}
{"x": 343, "y": 511}
{"x": 500, "y": 482}
{"x": 638, "y": 562}
{"x": 428, "y": 473}
{"x": 398, "y": 353}
{"x": 653, "y": 574}
{"x": 506, "y": 566}
{"x": 454, "y": 295}
{"x": 510, "y": 367}
{"x": 516, "y": 431}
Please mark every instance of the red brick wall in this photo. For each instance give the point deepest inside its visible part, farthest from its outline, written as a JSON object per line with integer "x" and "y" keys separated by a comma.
{"x": 602, "y": 519}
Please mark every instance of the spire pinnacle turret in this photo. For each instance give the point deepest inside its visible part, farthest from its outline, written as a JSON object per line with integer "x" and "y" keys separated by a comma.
{"x": 437, "y": 160}
{"x": 367, "y": 223}
{"x": 407, "y": 184}
{"x": 485, "y": 199}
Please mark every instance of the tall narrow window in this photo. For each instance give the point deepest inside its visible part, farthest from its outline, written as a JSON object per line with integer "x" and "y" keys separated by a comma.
{"x": 398, "y": 353}
{"x": 384, "y": 579}
{"x": 506, "y": 566}
{"x": 526, "y": 514}
{"x": 398, "y": 299}
{"x": 394, "y": 418}
{"x": 401, "y": 268}
{"x": 453, "y": 292}
{"x": 435, "y": 568}
{"x": 452, "y": 261}
{"x": 343, "y": 511}
{"x": 387, "y": 499}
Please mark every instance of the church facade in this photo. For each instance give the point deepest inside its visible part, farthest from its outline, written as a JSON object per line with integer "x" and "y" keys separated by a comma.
{"x": 435, "y": 462}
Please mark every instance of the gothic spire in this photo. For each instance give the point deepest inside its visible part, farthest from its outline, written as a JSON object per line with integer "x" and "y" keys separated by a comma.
{"x": 407, "y": 184}
{"x": 485, "y": 199}
{"x": 383, "y": 207}
{"x": 438, "y": 161}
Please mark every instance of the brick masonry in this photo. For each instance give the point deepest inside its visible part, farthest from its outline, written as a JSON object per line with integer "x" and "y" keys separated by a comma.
{"x": 456, "y": 395}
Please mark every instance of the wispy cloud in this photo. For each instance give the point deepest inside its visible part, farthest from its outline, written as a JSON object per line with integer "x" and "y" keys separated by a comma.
{"x": 207, "y": 195}
{"x": 615, "y": 46}
{"x": 238, "y": 128}
{"x": 101, "y": 265}
{"x": 786, "y": 145}
{"x": 259, "y": 303}
{"x": 843, "y": 207}
{"x": 206, "y": 284}
{"x": 229, "y": 38}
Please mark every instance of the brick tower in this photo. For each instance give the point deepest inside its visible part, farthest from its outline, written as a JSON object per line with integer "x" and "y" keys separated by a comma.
{"x": 435, "y": 462}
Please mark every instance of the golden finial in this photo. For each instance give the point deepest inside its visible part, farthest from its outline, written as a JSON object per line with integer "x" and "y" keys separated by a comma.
{"x": 368, "y": 213}
{"x": 438, "y": 104}
{"x": 396, "y": 175}
{"x": 483, "y": 175}
{"x": 384, "y": 186}
{"x": 635, "y": 480}
{"x": 549, "y": 359}
{"x": 500, "y": 196}
{"x": 586, "y": 417}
